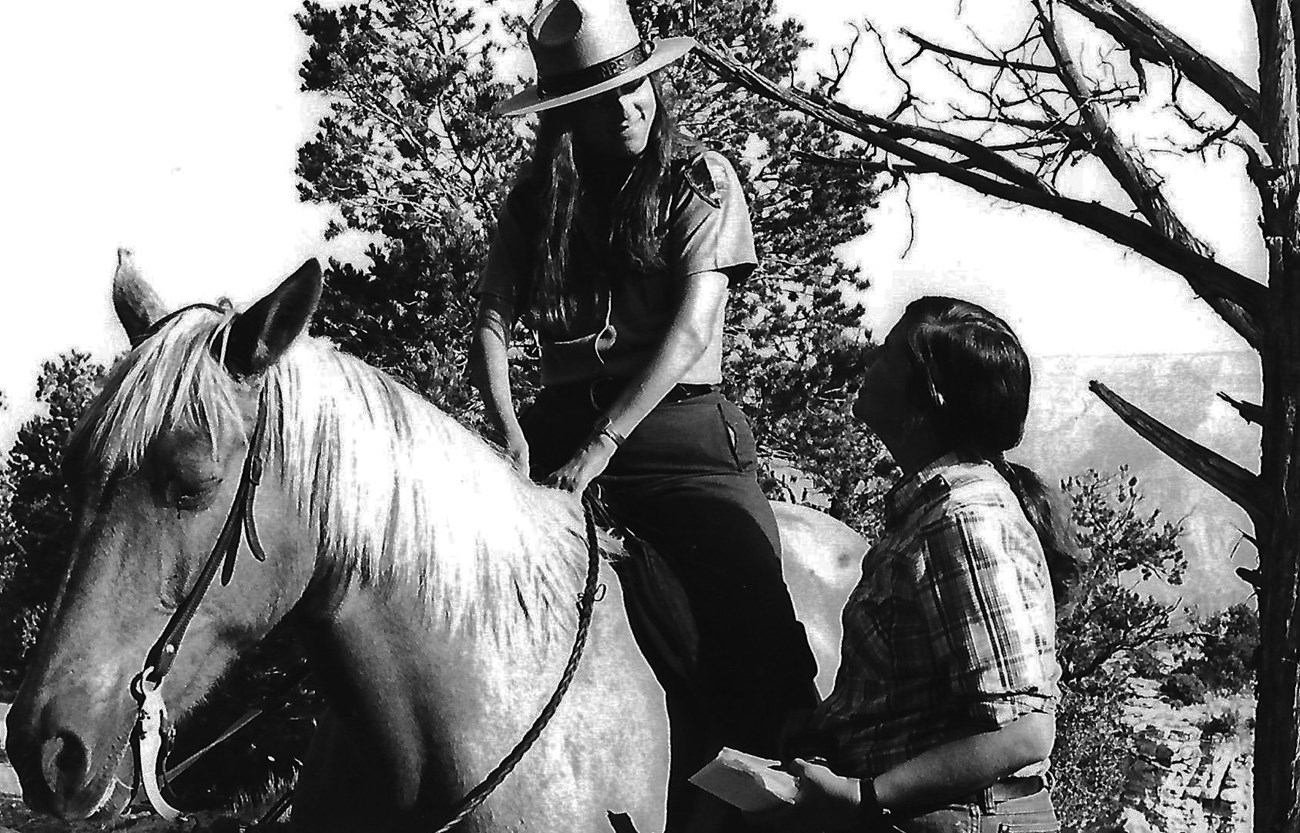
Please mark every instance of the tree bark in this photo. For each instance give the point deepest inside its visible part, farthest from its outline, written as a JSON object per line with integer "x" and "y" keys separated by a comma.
{"x": 1277, "y": 737}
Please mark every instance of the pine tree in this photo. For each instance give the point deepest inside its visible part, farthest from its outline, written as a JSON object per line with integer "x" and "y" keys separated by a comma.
{"x": 35, "y": 519}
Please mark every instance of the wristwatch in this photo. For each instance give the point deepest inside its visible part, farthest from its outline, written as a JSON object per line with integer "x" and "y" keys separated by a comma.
{"x": 874, "y": 817}
{"x": 604, "y": 426}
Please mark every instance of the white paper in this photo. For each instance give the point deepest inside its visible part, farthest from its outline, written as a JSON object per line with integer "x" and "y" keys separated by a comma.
{"x": 746, "y": 781}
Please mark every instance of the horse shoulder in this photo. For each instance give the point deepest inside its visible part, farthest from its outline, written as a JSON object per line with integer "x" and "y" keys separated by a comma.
{"x": 822, "y": 561}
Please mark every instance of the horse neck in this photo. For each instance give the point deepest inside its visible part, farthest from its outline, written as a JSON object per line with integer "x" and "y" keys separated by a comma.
{"x": 450, "y": 578}
{"x": 427, "y": 704}
{"x": 401, "y": 494}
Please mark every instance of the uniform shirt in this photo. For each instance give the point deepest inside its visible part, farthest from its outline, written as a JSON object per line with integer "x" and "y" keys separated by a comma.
{"x": 706, "y": 228}
{"x": 951, "y": 630}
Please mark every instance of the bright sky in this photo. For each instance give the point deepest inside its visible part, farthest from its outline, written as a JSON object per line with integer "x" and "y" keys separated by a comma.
{"x": 172, "y": 128}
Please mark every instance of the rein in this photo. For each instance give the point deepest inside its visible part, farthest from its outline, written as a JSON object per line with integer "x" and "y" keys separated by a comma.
{"x": 147, "y": 686}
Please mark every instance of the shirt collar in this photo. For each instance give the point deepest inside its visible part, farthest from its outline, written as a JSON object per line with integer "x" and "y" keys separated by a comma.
{"x": 919, "y": 489}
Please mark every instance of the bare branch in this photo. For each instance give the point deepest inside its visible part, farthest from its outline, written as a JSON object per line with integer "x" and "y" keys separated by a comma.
{"x": 1003, "y": 63}
{"x": 1236, "y": 483}
{"x": 1132, "y": 174}
{"x": 1249, "y": 411}
{"x": 1129, "y": 171}
{"x": 1240, "y": 300}
{"x": 1151, "y": 41}
{"x": 843, "y": 58}
{"x": 909, "y": 99}
{"x": 1063, "y": 131}
{"x": 979, "y": 156}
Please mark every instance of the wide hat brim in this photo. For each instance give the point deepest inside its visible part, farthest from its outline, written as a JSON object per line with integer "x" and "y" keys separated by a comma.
{"x": 529, "y": 99}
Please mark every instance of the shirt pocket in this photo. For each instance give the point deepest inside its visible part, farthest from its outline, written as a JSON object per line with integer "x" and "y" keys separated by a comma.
{"x": 738, "y": 436}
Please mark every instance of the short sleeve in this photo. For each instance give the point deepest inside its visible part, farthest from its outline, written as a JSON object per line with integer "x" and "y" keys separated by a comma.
{"x": 507, "y": 258}
{"x": 710, "y": 229}
{"x": 987, "y": 602}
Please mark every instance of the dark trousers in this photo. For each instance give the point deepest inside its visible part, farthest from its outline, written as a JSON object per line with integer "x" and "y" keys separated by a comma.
{"x": 684, "y": 481}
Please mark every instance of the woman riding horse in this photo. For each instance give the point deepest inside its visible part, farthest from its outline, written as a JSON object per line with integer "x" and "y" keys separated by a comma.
{"x": 617, "y": 245}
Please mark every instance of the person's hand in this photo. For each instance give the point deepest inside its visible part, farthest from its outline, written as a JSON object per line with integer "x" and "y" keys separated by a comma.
{"x": 824, "y": 802}
{"x": 585, "y": 466}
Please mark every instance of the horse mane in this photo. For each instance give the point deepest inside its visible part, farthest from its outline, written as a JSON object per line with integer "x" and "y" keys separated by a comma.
{"x": 396, "y": 492}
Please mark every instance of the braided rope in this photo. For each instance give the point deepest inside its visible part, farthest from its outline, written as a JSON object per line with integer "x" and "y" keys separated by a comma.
{"x": 586, "y": 606}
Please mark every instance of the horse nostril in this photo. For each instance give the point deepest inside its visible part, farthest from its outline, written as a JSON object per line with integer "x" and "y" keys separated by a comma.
{"x": 64, "y": 763}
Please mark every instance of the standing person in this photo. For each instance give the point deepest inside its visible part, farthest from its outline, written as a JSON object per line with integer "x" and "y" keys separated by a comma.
{"x": 942, "y": 715}
{"x": 617, "y": 245}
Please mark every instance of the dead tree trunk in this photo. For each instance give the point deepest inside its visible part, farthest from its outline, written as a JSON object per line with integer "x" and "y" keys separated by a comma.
{"x": 1277, "y": 739}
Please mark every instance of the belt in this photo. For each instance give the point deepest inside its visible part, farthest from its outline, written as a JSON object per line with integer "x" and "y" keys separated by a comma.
{"x": 1007, "y": 789}
{"x": 601, "y": 393}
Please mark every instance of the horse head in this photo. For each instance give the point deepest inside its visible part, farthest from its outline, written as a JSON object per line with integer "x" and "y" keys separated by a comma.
{"x": 154, "y": 468}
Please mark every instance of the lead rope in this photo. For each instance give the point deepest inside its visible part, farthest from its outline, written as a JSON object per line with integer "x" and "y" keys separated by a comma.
{"x": 475, "y": 797}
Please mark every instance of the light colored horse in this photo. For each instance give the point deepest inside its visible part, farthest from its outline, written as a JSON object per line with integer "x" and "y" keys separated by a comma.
{"x": 439, "y": 585}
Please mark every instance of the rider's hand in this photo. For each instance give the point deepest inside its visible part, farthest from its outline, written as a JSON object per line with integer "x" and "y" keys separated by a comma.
{"x": 585, "y": 466}
{"x": 825, "y": 802}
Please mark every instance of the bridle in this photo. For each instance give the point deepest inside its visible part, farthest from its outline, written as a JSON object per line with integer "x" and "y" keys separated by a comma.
{"x": 147, "y": 686}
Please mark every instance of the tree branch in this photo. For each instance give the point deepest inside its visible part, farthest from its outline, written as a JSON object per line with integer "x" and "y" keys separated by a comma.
{"x": 1149, "y": 40}
{"x": 1129, "y": 170}
{"x": 1236, "y": 483}
{"x": 1000, "y": 63}
{"x": 1241, "y": 301}
{"x": 1249, "y": 411}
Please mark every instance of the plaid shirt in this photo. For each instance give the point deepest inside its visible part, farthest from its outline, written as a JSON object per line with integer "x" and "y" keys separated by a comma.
{"x": 951, "y": 630}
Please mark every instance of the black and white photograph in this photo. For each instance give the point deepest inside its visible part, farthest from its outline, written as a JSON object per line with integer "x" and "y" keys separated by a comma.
{"x": 650, "y": 416}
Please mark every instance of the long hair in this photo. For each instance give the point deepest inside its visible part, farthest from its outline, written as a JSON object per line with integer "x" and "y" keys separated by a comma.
{"x": 971, "y": 376}
{"x": 554, "y": 183}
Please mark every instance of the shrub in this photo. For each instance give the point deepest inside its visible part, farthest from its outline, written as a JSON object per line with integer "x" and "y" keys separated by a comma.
{"x": 1227, "y": 657}
{"x": 1221, "y": 724}
{"x": 1092, "y": 755}
{"x": 1183, "y": 689}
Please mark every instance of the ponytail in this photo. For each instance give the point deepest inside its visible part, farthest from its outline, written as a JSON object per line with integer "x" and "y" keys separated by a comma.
{"x": 1042, "y": 508}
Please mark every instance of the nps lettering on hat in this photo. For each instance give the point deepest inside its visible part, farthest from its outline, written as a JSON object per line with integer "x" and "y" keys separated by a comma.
{"x": 582, "y": 48}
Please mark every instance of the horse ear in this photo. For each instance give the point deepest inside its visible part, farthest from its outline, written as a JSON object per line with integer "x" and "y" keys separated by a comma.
{"x": 261, "y": 334}
{"x": 135, "y": 301}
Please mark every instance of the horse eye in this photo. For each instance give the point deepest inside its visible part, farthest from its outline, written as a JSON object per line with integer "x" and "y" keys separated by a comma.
{"x": 190, "y": 495}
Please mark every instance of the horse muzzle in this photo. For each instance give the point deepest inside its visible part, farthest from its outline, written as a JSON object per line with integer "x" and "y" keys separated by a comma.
{"x": 64, "y": 769}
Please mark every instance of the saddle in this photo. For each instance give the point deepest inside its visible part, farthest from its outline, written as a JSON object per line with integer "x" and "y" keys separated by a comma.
{"x": 657, "y": 610}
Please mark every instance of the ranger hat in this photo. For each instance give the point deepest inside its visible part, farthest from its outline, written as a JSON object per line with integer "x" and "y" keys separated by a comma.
{"x": 583, "y": 48}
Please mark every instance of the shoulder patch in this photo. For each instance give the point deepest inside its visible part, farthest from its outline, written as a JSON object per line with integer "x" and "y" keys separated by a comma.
{"x": 704, "y": 180}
